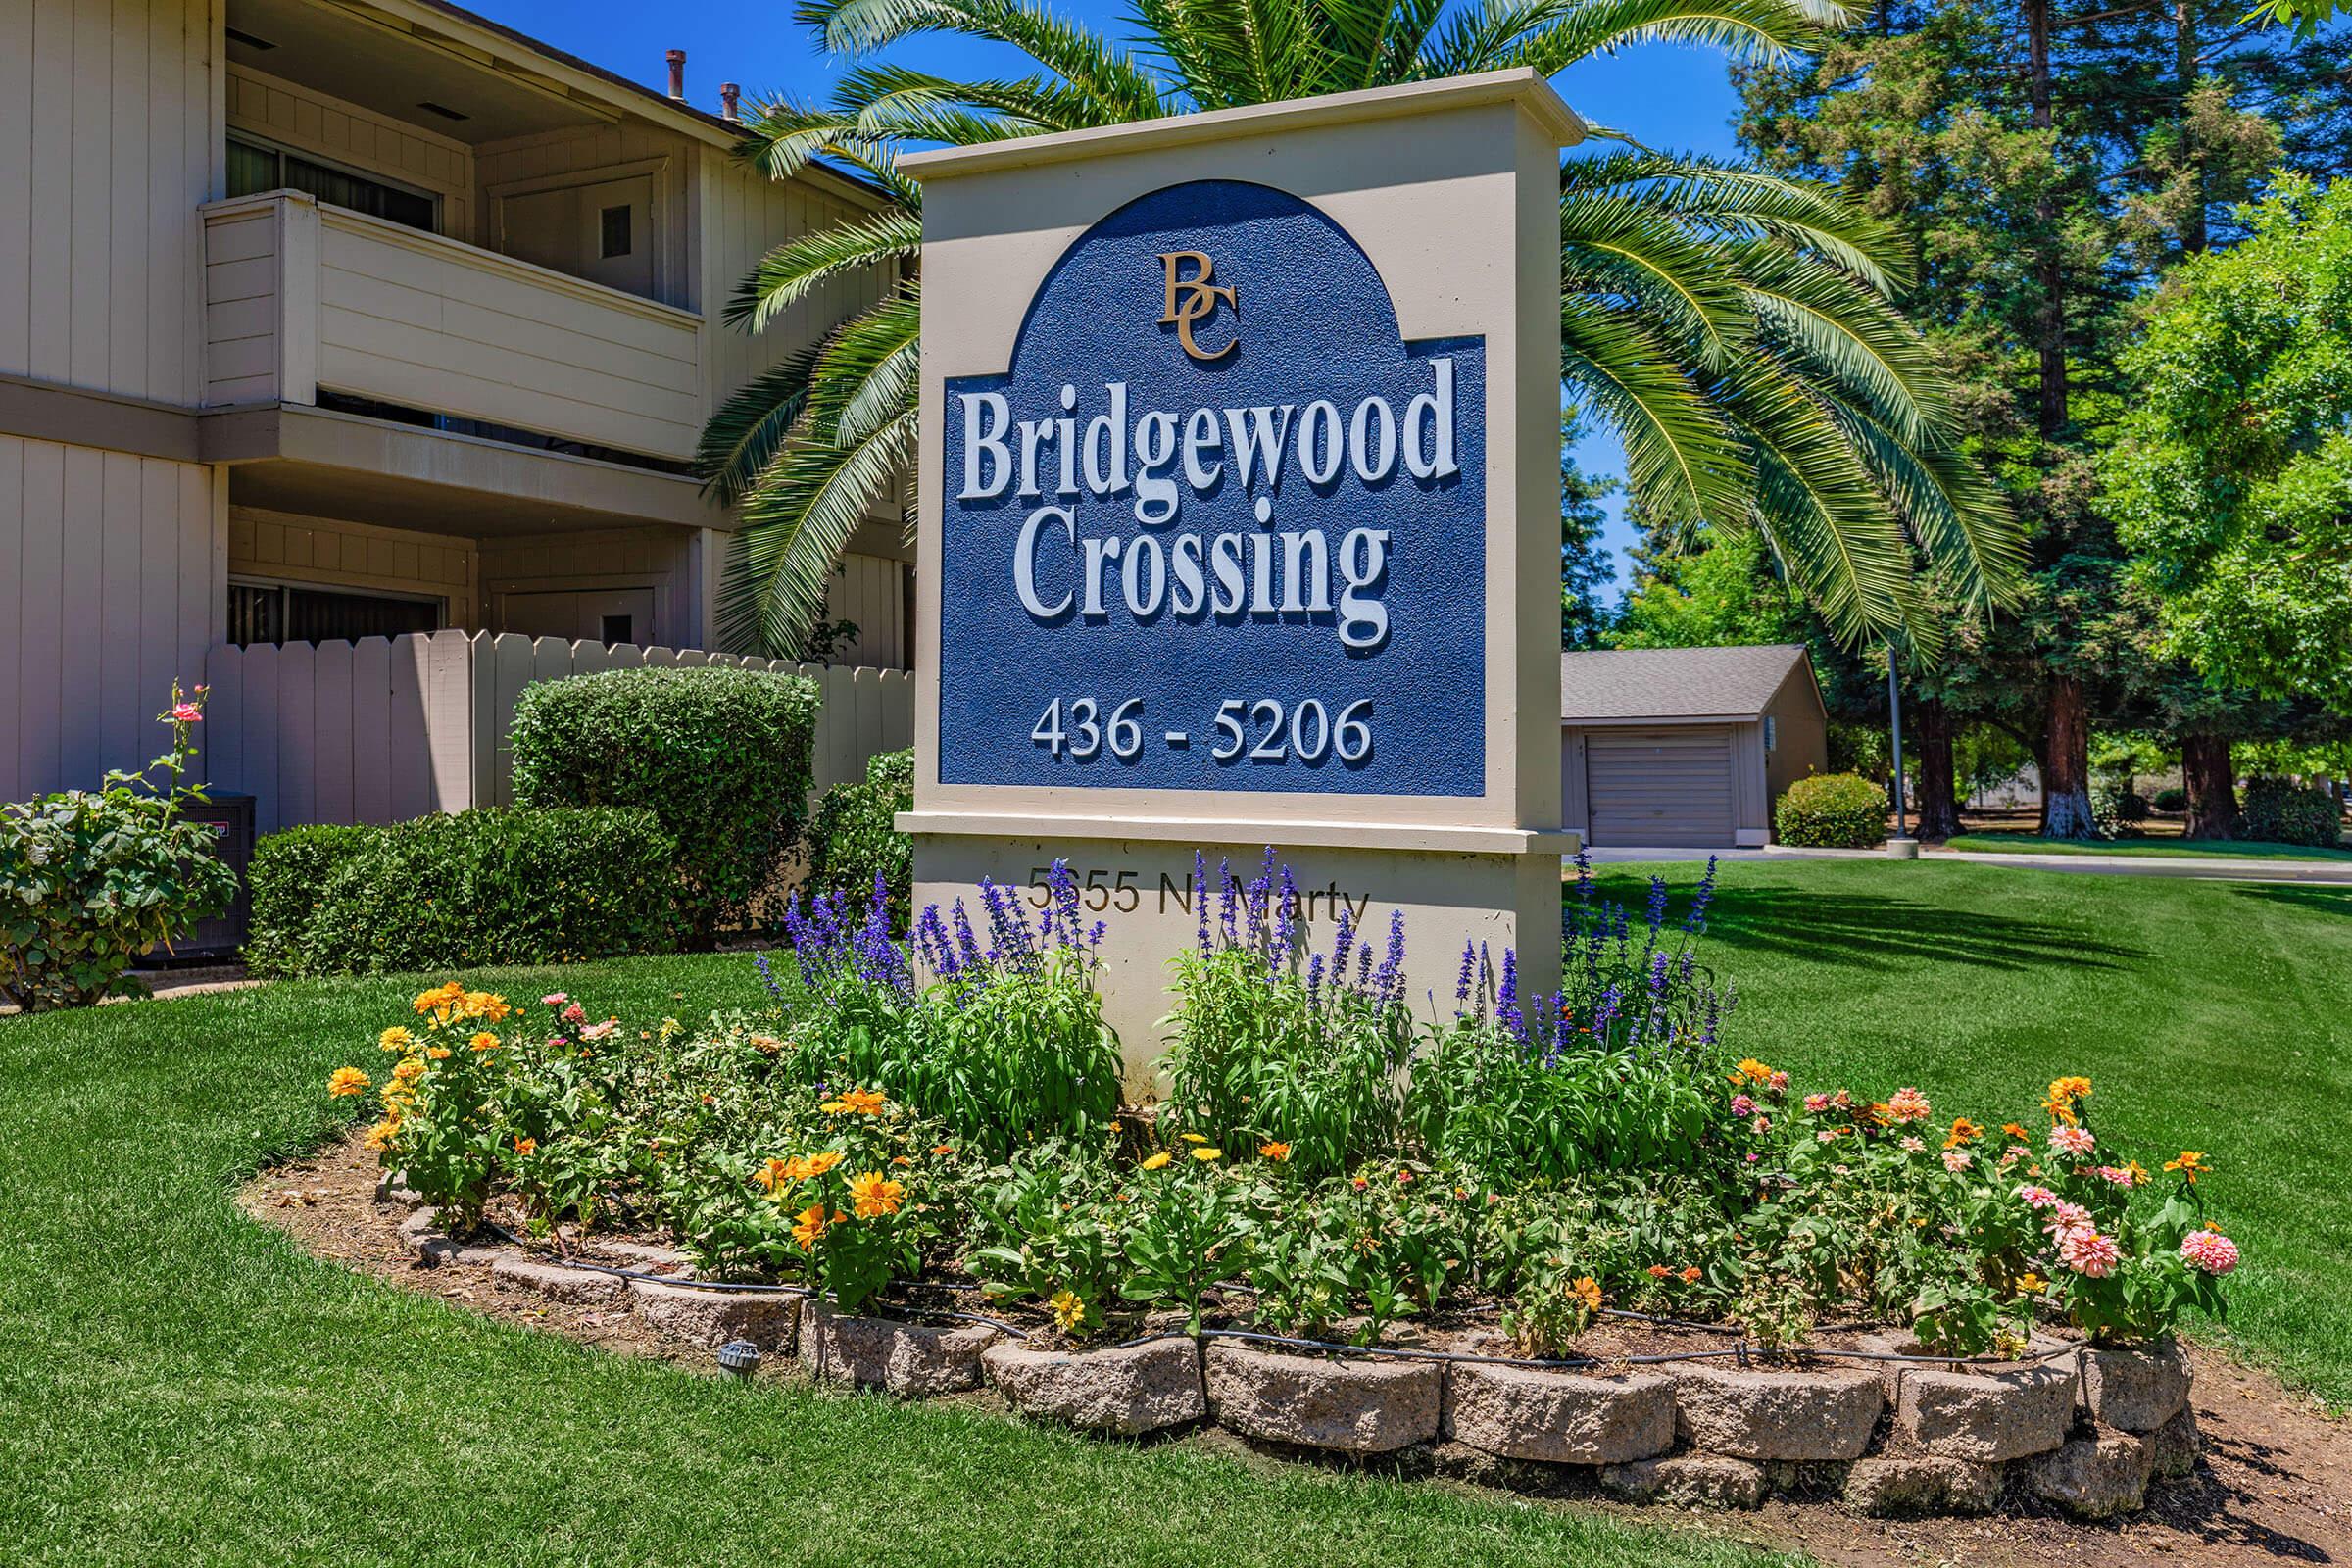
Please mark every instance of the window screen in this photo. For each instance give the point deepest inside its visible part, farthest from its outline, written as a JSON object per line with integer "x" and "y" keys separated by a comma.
{"x": 270, "y": 613}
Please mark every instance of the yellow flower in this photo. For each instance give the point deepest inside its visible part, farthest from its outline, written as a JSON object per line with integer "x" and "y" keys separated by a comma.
{"x": 482, "y": 1005}
{"x": 485, "y": 1041}
{"x": 873, "y": 1196}
{"x": 1195, "y": 1138}
{"x": 1277, "y": 1153}
{"x": 2190, "y": 1165}
{"x": 2063, "y": 1092}
{"x": 857, "y": 1101}
{"x": 818, "y": 1163}
{"x": 395, "y": 1039}
{"x": 436, "y": 1052}
{"x": 808, "y": 1225}
{"x": 1588, "y": 1290}
{"x": 2031, "y": 1283}
{"x": 379, "y": 1137}
{"x": 1157, "y": 1161}
{"x": 1068, "y": 1311}
{"x": 774, "y": 1174}
{"x": 409, "y": 1070}
{"x": 1751, "y": 1071}
{"x": 347, "y": 1081}
{"x": 440, "y": 1002}
{"x": 1204, "y": 1155}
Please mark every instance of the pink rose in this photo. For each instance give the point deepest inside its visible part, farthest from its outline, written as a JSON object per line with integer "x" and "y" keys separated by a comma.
{"x": 188, "y": 713}
{"x": 2209, "y": 1251}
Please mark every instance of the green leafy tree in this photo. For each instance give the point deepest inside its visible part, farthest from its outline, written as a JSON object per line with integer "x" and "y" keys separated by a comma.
{"x": 1734, "y": 328}
{"x": 1721, "y": 594}
{"x": 1584, "y": 566}
{"x": 2231, "y": 480}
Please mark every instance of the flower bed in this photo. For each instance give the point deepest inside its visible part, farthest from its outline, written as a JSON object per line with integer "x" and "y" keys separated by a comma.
{"x": 1559, "y": 1230}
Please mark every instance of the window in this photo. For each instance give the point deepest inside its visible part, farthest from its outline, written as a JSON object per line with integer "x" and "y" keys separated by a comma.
{"x": 279, "y": 613}
{"x": 614, "y": 221}
{"x": 618, "y": 629}
{"x": 255, "y": 167}
{"x": 1772, "y": 734}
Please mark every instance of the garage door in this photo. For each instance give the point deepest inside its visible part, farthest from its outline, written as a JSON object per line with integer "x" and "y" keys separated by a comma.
{"x": 1660, "y": 787}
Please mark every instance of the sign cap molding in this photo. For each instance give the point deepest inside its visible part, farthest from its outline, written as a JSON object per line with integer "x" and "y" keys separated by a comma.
{"x": 1521, "y": 84}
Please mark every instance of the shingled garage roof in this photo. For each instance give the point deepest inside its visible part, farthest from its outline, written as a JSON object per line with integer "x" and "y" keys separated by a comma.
{"x": 1673, "y": 683}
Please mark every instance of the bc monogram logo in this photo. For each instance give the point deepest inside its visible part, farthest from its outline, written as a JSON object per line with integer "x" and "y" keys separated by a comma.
{"x": 1193, "y": 300}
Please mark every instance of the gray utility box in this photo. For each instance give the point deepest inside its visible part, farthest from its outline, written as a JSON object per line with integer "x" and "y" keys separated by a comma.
{"x": 231, "y": 818}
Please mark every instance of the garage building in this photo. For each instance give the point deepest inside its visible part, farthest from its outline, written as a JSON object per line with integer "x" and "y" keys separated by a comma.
{"x": 1686, "y": 747}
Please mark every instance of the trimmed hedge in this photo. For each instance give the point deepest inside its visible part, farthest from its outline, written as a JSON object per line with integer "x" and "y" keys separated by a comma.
{"x": 2279, "y": 810}
{"x": 482, "y": 887}
{"x": 721, "y": 755}
{"x": 286, "y": 880}
{"x": 852, "y": 838}
{"x": 1831, "y": 812}
{"x": 2173, "y": 798}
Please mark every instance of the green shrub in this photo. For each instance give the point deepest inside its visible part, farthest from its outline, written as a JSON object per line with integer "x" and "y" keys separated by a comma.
{"x": 2280, "y": 810}
{"x": 491, "y": 886}
{"x": 719, "y": 756}
{"x": 852, "y": 838}
{"x": 1831, "y": 812}
{"x": 2117, "y": 809}
{"x": 287, "y": 878}
{"x": 89, "y": 880}
{"x": 2173, "y": 798}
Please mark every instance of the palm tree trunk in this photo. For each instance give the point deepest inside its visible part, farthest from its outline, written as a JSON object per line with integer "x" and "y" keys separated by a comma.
{"x": 2066, "y": 763}
{"x": 2212, "y": 787}
{"x": 1938, "y": 800}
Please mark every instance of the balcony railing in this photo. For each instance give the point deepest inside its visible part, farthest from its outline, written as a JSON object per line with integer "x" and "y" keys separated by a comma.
{"x": 302, "y": 297}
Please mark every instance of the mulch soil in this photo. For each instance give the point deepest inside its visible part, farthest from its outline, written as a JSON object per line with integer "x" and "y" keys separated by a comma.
{"x": 2275, "y": 1484}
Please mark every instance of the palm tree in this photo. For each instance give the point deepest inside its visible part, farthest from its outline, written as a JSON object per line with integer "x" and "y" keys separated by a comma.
{"x": 1736, "y": 329}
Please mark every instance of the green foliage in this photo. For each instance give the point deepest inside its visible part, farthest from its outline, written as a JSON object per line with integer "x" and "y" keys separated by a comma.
{"x": 1832, "y": 811}
{"x": 1723, "y": 595}
{"x": 2117, "y": 808}
{"x": 1734, "y": 329}
{"x": 2233, "y": 479}
{"x": 720, "y": 756}
{"x": 287, "y": 881}
{"x": 89, "y": 880}
{"x": 854, "y": 837}
{"x": 1584, "y": 564}
{"x": 2280, "y": 810}
{"x": 488, "y": 886}
{"x": 2171, "y": 798}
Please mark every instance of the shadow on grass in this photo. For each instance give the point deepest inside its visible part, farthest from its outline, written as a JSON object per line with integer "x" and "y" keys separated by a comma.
{"x": 2311, "y": 898}
{"x": 1872, "y": 931}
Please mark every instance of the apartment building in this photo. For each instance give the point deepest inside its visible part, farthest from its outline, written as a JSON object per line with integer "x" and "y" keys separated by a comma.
{"x": 327, "y": 320}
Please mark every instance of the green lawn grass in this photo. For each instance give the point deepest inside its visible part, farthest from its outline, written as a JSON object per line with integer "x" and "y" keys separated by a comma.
{"x": 2211, "y": 1015}
{"x": 181, "y": 1385}
{"x": 2212, "y": 849}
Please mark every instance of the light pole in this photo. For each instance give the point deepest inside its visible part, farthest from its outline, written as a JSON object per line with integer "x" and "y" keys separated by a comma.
{"x": 1901, "y": 846}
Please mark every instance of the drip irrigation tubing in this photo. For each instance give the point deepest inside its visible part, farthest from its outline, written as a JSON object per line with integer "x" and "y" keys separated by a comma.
{"x": 1745, "y": 1351}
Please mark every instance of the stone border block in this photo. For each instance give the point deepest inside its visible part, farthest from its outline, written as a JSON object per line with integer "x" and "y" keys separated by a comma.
{"x": 2135, "y": 1391}
{"x": 713, "y": 1317}
{"x": 910, "y": 1360}
{"x": 1687, "y": 1480}
{"x": 1367, "y": 1406}
{"x": 1558, "y": 1417}
{"x": 576, "y": 1286}
{"x": 1126, "y": 1391}
{"x": 1984, "y": 1417}
{"x": 1775, "y": 1414}
{"x": 1902, "y": 1486}
{"x": 2096, "y": 1476}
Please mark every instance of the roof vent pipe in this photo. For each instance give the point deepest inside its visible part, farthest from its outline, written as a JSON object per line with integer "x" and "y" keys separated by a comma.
{"x": 677, "y": 73}
{"x": 730, "y": 97}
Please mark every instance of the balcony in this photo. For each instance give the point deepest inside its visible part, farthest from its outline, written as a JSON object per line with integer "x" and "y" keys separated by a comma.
{"x": 303, "y": 298}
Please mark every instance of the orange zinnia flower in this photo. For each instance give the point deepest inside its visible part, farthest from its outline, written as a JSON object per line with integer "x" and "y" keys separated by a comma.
{"x": 351, "y": 1081}
{"x": 873, "y": 1196}
{"x": 1277, "y": 1153}
{"x": 1588, "y": 1290}
{"x": 857, "y": 1101}
{"x": 808, "y": 1225}
{"x": 1963, "y": 1131}
{"x": 485, "y": 1041}
{"x": 774, "y": 1174}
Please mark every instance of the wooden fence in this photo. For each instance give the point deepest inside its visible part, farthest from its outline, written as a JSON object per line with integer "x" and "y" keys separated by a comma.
{"x": 383, "y": 729}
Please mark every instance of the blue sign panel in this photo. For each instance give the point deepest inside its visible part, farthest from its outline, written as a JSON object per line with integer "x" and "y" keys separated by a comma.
{"x": 1218, "y": 527}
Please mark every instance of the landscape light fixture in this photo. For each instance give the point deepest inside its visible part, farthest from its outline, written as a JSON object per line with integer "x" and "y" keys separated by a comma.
{"x": 739, "y": 1358}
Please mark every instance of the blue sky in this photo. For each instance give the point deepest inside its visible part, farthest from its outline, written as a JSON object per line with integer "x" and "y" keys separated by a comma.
{"x": 1669, "y": 96}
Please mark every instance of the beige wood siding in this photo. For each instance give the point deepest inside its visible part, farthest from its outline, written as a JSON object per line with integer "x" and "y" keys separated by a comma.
{"x": 659, "y": 559}
{"x": 288, "y": 546}
{"x": 870, "y": 591}
{"x": 109, "y": 143}
{"x": 589, "y": 156}
{"x": 1802, "y": 735}
{"x": 340, "y": 132}
{"x": 113, "y": 580}
{"x": 1663, "y": 786}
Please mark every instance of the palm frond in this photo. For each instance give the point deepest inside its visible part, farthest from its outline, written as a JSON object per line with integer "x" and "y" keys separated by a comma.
{"x": 785, "y": 275}
{"x": 1764, "y": 31}
{"x": 751, "y": 427}
{"x": 1682, "y": 462}
{"x": 1847, "y": 334}
{"x": 1733, "y": 202}
{"x": 1119, "y": 88}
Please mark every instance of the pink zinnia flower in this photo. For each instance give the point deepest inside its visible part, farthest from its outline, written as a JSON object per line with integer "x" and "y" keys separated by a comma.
{"x": 1778, "y": 1083}
{"x": 2210, "y": 1251}
{"x": 2088, "y": 1253}
{"x": 1762, "y": 1124}
{"x": 1908, "y": 1104}
{"x": 553, "y": 999}
{"x": 1753, "y": 1157}
{"x": 1827, "y": 1135}
{"x": 1817, "y": 1104}
{"x": 2117, "y": 1175}
{"x": 600, "y": 1031}
{"x": 2075, "y": 1141}
{"x": 1955, "y": 1160}
{"x": 575, "y": 1015}
{"x": 2036, "y": 1196}
{"x": 1741, "y": 1105}
{"x": 1912, "y": 1145}
{"x": 2067, "y": 1219}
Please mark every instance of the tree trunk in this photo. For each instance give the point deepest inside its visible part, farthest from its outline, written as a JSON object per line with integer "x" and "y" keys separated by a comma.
{"x": 2066, "y": 763}
{"x": 1939, "y": 803}
{"x": 2212, "y": 787}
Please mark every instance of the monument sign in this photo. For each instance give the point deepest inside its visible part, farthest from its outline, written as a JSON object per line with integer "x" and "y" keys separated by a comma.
{"x": 1240, "y": 520}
